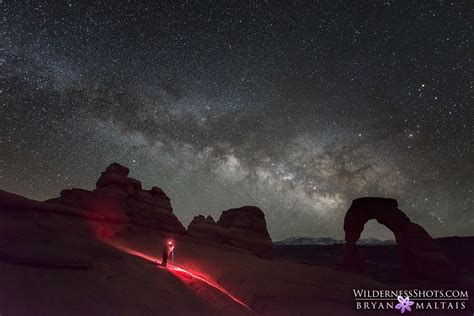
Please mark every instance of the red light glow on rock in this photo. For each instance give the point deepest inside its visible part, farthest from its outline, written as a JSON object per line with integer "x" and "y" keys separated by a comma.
{"x": 177, "y": 270}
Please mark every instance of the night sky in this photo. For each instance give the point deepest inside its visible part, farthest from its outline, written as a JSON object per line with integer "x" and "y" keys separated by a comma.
{"x": 297, "y": 108}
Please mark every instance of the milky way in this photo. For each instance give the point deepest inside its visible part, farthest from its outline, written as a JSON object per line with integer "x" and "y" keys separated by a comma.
{"x": 293, "y": 107}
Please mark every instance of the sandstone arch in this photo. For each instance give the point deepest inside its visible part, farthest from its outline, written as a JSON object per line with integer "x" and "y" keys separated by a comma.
{"x": 420, "y": 255}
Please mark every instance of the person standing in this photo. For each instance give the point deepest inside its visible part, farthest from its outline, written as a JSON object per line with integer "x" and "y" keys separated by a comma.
{"x": 168, "y": 250}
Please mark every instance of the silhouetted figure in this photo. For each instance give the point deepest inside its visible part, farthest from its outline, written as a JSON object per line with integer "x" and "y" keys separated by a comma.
{"x": 167, "y": 252}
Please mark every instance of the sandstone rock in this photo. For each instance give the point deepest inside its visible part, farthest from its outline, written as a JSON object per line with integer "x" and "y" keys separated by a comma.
{"x": 206, "y": 229}
{"x": 158, "y": 192}
{"x": 16, "y": 202}
{"x": 198, "y": 219}
{"x": 243, "y": 227}
{"x": 148, "y": 198}
{"x": 145, "y": 209}
{"x": 248, "y": 218}
{"x": 120, "y": 198}
{"x": 115, "y": 176}
{"x": 209, "y": 219}
{"x": 108, "y": 206}
{"x": 421, "y": 256}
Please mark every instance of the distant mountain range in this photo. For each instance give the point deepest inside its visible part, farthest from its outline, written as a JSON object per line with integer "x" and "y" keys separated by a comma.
{"x": 330, "y": 241}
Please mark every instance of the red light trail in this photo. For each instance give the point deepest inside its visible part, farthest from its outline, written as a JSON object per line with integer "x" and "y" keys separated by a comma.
{"x": 187, "y": 272}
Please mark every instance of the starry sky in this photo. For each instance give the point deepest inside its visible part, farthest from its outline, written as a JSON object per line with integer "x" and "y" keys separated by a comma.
{"x": 295, "y": 107}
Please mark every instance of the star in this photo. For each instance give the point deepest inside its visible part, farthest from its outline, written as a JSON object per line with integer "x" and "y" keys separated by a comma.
{"x": 297, "y": 109}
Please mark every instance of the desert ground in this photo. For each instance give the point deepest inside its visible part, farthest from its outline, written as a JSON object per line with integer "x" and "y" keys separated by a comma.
{"x": 53, "y": 263}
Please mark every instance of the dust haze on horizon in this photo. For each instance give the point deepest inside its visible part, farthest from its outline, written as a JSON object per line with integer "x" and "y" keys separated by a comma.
{"x": 296, "y": 107}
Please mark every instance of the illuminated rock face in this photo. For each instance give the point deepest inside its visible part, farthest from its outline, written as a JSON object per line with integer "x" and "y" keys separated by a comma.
{"x": 420, "y": 255}
{"x": 122, "y": 199}
{"x": 243, "y": 227}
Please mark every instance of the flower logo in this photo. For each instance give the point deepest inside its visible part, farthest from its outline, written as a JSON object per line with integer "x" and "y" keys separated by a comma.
{"x": 404, "y": 304}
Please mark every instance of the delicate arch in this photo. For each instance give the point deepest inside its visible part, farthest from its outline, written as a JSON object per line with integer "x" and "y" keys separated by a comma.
{"x": 421, "y": 256}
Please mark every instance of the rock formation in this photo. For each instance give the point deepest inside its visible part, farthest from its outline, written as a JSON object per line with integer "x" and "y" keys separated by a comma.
{"x": 243, "y": 227}
{"x": 420, "y": 255}
{"x": 121, "y": 199}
